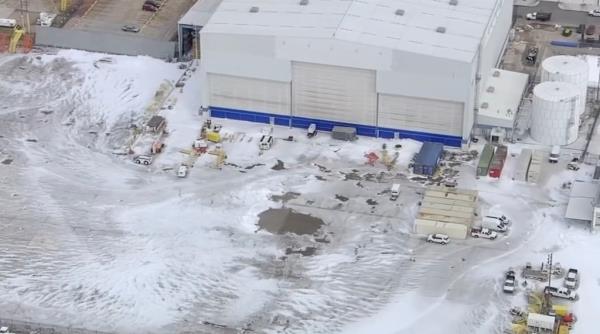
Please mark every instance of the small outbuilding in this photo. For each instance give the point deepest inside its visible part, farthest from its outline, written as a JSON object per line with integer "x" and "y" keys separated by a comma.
{"x": 156, "y": 124}
{"x": 428, "y": 158}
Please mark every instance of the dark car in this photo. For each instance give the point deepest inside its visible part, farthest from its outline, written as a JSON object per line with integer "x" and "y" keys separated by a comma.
{"x": 150, "y": 8}
{"x": 590, "y": 30}
{"x": 154, "y": 3}
{"x": 130, "y": 28}
{"x": 532, "y": 54}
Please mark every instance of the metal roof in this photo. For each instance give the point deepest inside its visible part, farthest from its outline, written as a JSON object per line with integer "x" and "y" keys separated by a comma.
{"x": 501, "y": 97}
{"x": 441, "y": 28}
{"x": 583, "y": 199}
{"x": 199, "y": 14}
{"x": 429, "y": 154}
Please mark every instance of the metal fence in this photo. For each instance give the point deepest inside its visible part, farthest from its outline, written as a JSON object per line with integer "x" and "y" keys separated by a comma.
{"x": 98, "y": 41}
{"x": 26, "y": 327}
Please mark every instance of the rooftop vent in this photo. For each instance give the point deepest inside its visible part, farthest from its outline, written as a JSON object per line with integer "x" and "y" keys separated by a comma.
{"x": 496, "y": 74}
{"x": 254, "y": 9}
{"x": 441, "y": 30}
{"x": 484, "y": 105}
{"x": 453, "y": 2}
{"x": 490, "y": 89}
{"x": 303, "y": 2}
{"x": 400, "y": 12}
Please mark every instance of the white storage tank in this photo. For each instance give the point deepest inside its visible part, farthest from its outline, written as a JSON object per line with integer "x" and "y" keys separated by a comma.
{"x": 568, "y": 69}
{"x": 554, "y": 118}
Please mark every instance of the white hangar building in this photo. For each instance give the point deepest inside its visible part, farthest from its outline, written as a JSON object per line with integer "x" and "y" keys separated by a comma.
{"x": 407, "y": 68}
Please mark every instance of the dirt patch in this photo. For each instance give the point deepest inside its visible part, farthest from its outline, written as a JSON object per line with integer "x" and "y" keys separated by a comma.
{"x": 341, "y": 198}
{"x": 307, "y": 251}
{"x": 278, "y": 166}
{"x": 372, "y": 202}
{"x": 252, "y": 166}
{"x": 7, "y": 161}
{"x": 282, "y": 221}
{"x": 290, "y": 195}
{"x": 320, "y": 178}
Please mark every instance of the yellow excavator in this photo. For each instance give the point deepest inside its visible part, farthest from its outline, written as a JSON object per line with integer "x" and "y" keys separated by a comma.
{"x": 14, "y": 39}
{"x": 65, "y": 5}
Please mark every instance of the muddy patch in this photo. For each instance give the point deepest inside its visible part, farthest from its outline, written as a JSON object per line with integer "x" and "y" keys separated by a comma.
{"x": 372, "y": 202}
{"x": 282, "y": 221}
{"x": 341, "y": 198}
{"x": 290, "y": 195}
{"x": 307, "y": 251}
{"x": 7, "y": 161}
{"x": 278, "y": 166}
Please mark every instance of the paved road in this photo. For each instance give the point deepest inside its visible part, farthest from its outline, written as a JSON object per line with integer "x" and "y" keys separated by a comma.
{"x": 559, "y": 16}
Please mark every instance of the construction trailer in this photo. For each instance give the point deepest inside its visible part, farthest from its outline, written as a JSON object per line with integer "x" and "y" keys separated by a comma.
{"x": 522, "y": 168}
{"x": 535, "y": 167}
{"x": 428, "y": 158}
{"x": 485, "y": 159}
{"x": 449, "y": 211}
{"x": 452, "y": 230}
{"x": 498, "y": 161}
{"x": 541, "y": 323}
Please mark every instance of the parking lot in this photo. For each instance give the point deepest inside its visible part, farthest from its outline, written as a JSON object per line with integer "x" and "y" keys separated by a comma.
{"x": 111, "y": 15}
{"x": 9, "y": 8}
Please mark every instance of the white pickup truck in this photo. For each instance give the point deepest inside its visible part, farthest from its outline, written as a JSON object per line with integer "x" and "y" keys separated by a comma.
{"x": 560, "y": 293}
{"x": 478, "y": 232}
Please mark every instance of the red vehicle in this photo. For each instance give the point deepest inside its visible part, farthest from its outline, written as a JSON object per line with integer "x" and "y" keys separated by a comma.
{"x": 498, "y": 162}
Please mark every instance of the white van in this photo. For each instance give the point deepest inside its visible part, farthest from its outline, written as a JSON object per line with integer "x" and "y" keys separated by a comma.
{"x": 182, "y": 171}
{"x": 494, "y": 224}
{"x": 395, "y": 192}
{"x": 554, "y": 154}
{"x": 8, "y": 23}
{"x": 265, "y": 143}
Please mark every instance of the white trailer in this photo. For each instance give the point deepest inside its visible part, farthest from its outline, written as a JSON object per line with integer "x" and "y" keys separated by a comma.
{"x": 454, "y": 231}
{"x": 535, "y": 167}
{"x": 8, "y": 23}
{"x": 540, "y": 321}
{"x": 522, "y": 167}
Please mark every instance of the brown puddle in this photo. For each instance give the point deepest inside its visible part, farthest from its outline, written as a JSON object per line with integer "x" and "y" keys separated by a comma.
{"x": 282, "y": 221}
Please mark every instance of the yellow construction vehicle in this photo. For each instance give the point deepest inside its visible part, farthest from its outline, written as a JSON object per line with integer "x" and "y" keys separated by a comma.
{"x": 65, "y": 5}
{"x": 14, "y": 39}
{"x": 212, "y": 136}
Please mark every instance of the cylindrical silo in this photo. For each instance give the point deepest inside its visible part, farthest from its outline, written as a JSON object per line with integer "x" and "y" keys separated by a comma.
{"x": 568, "y": 69}
{"x": 554, "y": 118}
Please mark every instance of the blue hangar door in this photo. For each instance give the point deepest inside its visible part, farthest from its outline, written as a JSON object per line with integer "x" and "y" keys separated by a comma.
{"x": 334, "y": 93}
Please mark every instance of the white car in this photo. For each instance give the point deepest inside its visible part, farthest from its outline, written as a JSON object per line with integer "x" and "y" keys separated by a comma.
{"x": 438, "y": 238}
{"x": 572, "y": 279}
{"x": 509, "y": 282}
{"x": 560, "y": 292}
{"x": 182, "y": 171}
{"x": 594, "y": 12}
{"x": 483, "y": 233}
{"x": 143, "y": 159}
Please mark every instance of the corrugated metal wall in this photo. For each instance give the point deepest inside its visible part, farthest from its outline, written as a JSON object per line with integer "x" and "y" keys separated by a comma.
{"x": 272, "y": 97}
{"x": 334, "y": 93}
{"x": 420, "y": 114}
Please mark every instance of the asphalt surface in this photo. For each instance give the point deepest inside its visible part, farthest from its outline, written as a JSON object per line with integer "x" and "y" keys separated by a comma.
{"x": 559, "y": 16}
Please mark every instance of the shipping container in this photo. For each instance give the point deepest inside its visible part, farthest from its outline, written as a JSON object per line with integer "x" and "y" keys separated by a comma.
{"x": 485, "y": 159}
{"x": 343, "y": 133}
{"x": 455, "y": 231}
{"x": 498, "y": 160}
{"x": 428, "y": 158}
{"x": 535, "y": 167}
{"x": 522, "y": 168}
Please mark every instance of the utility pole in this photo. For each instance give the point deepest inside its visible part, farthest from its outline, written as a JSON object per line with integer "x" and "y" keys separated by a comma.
{"x": 24, "y": 11}
{"x": 547, "y": 303}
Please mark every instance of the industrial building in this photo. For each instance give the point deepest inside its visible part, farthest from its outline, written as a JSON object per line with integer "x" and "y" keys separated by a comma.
{"x": 389, "y": 68}
{"x": 448, "y": 211}
{"x": 584, "y": 203}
